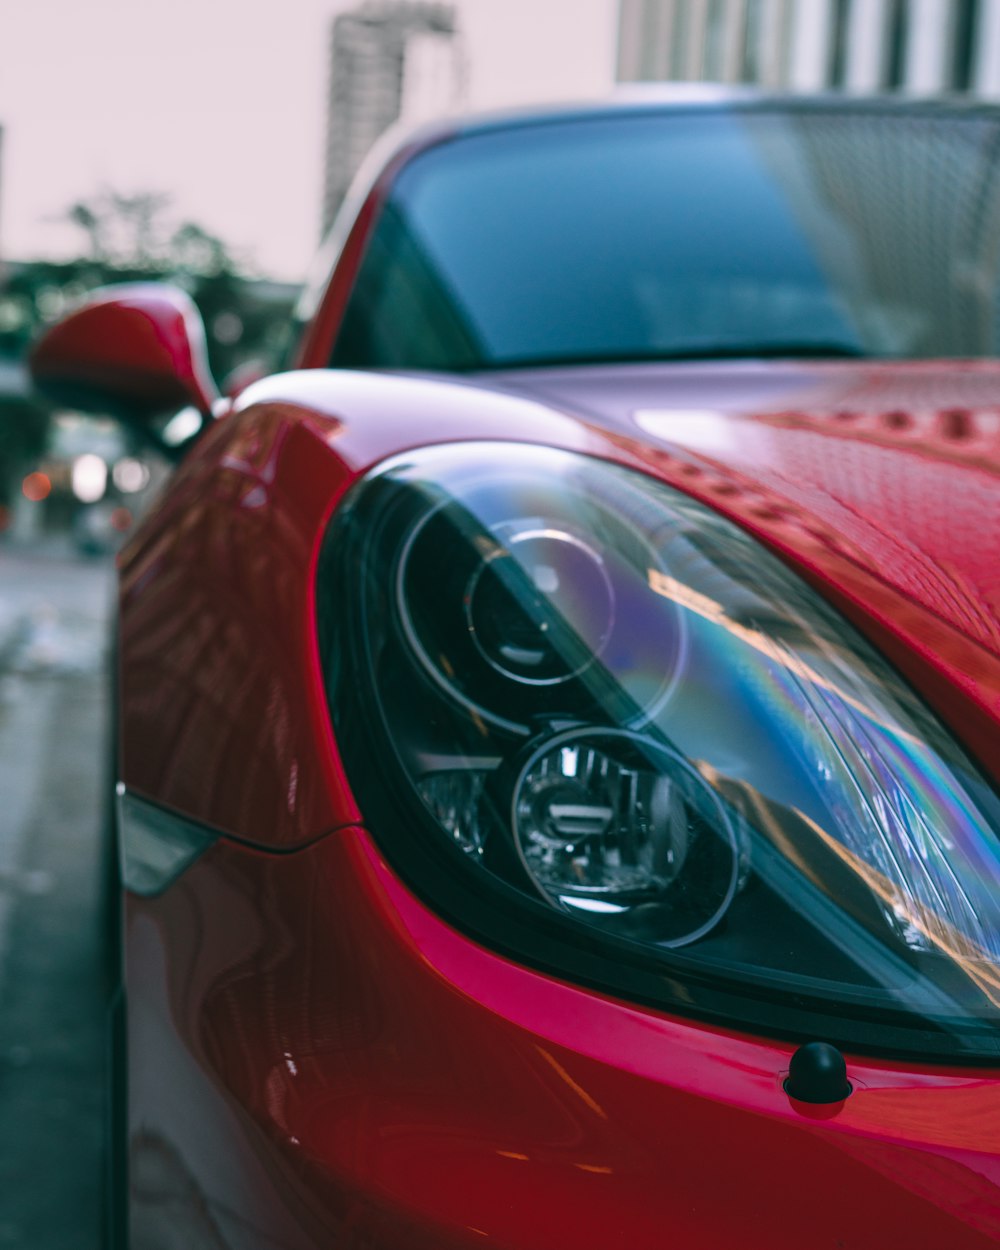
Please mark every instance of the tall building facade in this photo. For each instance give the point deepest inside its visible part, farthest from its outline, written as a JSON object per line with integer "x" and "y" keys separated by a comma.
{"x": 920, "y": 46}
{"x": 388, "y": 58}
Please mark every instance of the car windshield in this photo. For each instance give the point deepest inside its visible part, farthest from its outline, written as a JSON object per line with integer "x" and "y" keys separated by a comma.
{"x": 683, "y": 235}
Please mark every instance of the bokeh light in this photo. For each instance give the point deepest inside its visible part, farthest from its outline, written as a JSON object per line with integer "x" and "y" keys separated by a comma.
{"x": 36, "y": 487}
{"x": 129, "y": 475}
{"x": 89, "y": 477}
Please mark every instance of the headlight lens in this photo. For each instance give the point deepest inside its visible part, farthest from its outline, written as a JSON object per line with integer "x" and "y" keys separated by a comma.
{"x": 603, "y": 730}
{"x": 612, "y": 824}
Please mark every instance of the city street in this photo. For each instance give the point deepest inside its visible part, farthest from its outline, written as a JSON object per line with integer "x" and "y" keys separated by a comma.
{"x": 53, "y": 622}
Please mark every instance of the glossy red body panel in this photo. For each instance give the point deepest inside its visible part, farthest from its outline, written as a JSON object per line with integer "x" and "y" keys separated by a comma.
{"x": 140, "y": 348}
{"x": 316, "y": 1051}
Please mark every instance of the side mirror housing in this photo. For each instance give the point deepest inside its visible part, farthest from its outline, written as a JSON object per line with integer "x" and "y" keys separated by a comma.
{"x": 135, "y": 351}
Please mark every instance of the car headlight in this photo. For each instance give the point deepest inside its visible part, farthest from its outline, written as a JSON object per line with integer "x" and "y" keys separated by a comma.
{"x": 601, "y": 729}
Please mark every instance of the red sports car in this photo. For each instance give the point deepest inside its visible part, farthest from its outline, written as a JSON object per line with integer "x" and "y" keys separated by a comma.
{"x": 559, "y": 718}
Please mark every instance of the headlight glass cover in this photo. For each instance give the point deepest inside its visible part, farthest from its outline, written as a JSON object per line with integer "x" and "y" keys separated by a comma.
{"x": 601, "y": 729}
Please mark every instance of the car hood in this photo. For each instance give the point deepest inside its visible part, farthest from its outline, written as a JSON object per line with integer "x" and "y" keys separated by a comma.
{"x": 880, "y": 481}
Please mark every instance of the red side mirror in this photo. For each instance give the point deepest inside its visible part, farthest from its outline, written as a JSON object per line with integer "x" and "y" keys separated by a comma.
{"x": 134, "y": 351}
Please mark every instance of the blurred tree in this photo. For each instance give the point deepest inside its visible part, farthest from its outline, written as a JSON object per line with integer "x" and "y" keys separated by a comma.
{"x": 193, "y": 250}
{"x": 128, "y": 231}
{"x": 129, "y": 238}
{"x": 83, "y": 215}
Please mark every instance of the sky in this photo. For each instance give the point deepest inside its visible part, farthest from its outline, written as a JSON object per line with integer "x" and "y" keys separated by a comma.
{"x": 221, "y": 104}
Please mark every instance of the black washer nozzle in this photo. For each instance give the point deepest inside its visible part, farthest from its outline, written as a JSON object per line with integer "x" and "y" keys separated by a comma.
{"x": 817, "y": 1073}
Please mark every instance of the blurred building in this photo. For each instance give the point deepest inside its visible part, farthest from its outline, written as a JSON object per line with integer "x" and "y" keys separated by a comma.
{"x": 388, "y": 59}
{"x": 921, "y": 46}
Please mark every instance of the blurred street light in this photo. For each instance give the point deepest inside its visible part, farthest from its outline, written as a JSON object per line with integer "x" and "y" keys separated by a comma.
{"x": 129, "y": 475}
{"x": 89, "y": 478}
{"x": 36, "y": 487}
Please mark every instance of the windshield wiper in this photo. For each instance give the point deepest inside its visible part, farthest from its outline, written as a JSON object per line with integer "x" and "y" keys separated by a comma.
{"x": 798, "y": 350}
{"x": 775, "y": 351}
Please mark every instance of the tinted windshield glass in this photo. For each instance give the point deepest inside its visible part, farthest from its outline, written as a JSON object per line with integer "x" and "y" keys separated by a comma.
{"x": 652, "y": 236}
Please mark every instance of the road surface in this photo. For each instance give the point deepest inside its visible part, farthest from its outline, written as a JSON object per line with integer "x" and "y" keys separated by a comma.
{"x": 53, "y": 627}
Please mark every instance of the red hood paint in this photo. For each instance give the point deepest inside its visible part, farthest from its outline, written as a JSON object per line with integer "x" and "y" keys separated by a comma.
{"x": 881, "y": 482}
